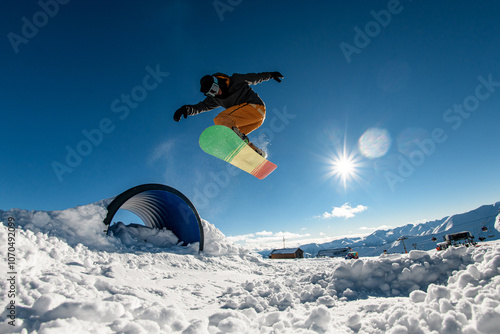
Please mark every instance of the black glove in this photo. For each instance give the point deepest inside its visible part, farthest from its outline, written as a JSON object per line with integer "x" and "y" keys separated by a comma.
{"x": 182, "y": 111}
{"x": 277, "y": 76}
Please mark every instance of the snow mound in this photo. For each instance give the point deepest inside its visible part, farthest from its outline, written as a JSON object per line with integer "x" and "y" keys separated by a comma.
{"x": 216, "y": 242}
{"x": 456, "y": 291}
{"x": 84, "y": 225}
{"x": 133, "y": 234}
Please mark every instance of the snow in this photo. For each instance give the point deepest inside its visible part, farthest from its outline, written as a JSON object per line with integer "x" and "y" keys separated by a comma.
{"x": 71, "y": 278}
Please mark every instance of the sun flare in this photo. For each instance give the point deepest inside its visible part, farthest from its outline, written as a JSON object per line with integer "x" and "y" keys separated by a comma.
{"x": 344, "y": 167}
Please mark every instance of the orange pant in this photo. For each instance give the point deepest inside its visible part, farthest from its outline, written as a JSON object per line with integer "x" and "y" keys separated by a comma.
{"x": 246, "y": 117}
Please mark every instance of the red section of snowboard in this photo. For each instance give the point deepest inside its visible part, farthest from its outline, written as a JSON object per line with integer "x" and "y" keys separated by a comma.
{"x": 264, "y": 169}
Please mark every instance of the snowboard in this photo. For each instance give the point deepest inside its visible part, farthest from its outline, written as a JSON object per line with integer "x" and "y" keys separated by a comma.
{"x": 221, "y": 142}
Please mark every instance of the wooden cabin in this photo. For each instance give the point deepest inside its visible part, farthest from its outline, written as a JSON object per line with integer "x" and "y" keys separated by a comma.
{"x": 287, "y": 253}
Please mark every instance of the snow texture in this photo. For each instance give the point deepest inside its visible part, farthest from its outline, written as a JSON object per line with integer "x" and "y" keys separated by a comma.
{"x": 71, "y": 278}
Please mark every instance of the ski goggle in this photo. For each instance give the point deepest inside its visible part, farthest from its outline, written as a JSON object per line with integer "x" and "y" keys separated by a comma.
{"x": 214, "y": 89}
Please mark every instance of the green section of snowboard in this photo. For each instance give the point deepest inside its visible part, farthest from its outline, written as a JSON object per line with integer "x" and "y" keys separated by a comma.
{"x": 221, "y": 142}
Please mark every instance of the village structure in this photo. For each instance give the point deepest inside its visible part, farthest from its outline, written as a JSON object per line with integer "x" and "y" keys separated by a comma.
{"x": 287, "y": 253}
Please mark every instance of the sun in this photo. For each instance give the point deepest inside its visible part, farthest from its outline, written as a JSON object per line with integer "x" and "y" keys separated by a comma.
{"x": 344, "y": 166}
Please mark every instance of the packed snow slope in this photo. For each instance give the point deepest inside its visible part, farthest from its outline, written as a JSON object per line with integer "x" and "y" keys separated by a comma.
{"x": 71, "y": 278}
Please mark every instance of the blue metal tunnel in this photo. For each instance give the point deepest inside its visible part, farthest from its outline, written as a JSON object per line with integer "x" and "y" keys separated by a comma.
{"x": 160, "y": 206}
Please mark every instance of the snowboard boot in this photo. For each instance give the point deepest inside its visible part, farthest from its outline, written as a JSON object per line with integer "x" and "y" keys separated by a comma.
{"x": 240, "y": 134}
{"x": 258, "y": 150}
{"x": 245, "y": 139}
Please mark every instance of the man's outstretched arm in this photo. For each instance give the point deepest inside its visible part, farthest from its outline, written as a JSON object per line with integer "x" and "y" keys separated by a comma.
{"x": 256, "y": 78}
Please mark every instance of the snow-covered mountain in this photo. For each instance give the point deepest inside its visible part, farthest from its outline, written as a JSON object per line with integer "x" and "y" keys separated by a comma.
{"x": 419, "y": 236}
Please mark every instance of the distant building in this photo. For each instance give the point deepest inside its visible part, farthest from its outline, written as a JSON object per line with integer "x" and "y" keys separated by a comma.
{"x": 336, "y": 252}
{"x": 461, "y": 238}
{"x": 442, "y": 246}
{"x": 287, "y": 253}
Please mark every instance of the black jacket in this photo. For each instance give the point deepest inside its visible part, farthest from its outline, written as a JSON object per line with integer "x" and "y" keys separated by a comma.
{"x": 236, "y": 90}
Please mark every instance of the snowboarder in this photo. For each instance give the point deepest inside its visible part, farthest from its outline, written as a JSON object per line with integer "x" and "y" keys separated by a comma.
{"x": 245, "y": 111}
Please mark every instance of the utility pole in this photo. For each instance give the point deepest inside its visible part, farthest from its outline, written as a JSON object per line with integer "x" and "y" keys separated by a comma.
{"x": 403, "y": 238}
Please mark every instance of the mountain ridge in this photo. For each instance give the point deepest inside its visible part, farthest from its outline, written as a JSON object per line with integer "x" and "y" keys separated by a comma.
{"x": 420, "y": 236}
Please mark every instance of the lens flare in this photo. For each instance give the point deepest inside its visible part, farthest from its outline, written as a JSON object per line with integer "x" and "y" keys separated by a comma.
{"x": 374, "y": 143}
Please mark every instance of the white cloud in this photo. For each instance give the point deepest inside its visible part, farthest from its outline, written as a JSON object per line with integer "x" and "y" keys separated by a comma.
{"x": 345, "y": 211}
{"x": 161, "y": 151}
{"x": 381, "y": 227}
{"x": 241, "y": 237}
{"x": 268, "y": 240}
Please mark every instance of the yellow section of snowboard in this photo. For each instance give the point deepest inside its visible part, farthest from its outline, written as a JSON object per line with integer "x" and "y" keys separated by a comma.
{"x": 247, "y": 159}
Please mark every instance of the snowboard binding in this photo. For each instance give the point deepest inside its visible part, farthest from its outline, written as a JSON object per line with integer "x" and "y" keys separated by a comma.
{"x": 247, "y": 141}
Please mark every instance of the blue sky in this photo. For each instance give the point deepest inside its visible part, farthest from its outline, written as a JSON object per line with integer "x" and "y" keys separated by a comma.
{"x": 410, "y": 90}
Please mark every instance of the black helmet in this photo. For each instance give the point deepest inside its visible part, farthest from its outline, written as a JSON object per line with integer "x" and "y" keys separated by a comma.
{"x": 209, "y": 85}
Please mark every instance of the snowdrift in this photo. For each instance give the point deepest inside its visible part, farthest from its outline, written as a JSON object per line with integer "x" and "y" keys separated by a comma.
{"x": 83, "y": 225}
{"x": 71, "y": 278}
